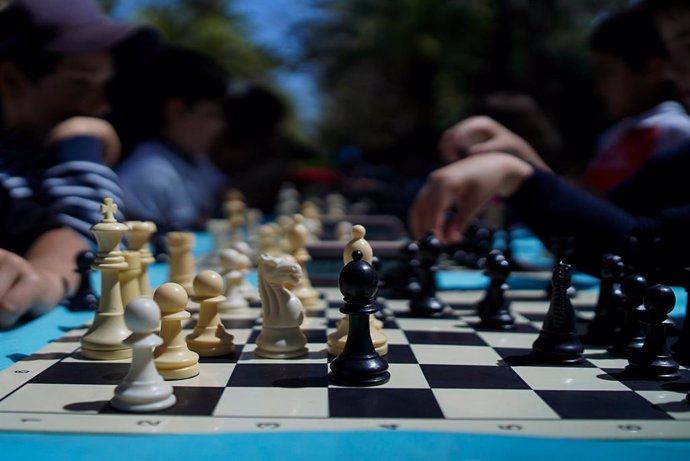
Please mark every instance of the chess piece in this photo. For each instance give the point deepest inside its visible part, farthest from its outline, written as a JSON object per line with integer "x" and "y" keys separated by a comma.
{"x": 235, "y": 265}
{"x": 280, "y": 337}
{"x": 380, "y": 313}
{"x": 103, "y": 340}
{"x": 654, "y": 361}
{"x": 423, "y": 302}
{"x": 235, "y": 211}
{"x": 338, "y": 338}
{"x": 359, "y": 364}
{"x": 630, "y": 339}
{"x": 607, "y": 314}
{"x": 562, "y": 248}
{"x": 138, "y": 237}
{"x": 129, "y": 278}
{"x": 84, "y": 299}
{"x": 209, "y": 338}
{"x": 312, "y": 220}
{"x": 343, "y": 231}
{"x": 400, "y": 280}
{"x": 143, "y": 389}
{"x": 357, "y": 242}
{"x": 558, "y": 341}
{"x": 297, "y": 238}
{"x": 681, "y": 348}
{"x": 494, "y": 309}
{"x": 174, "y": 360}
{"x": 182, "y": 265}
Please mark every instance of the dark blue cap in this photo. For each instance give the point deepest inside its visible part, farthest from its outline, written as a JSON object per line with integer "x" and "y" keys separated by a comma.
{"x": 65, "y": 27}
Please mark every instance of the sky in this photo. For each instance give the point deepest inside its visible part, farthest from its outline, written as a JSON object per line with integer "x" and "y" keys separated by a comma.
{"x": 270, "y": 23}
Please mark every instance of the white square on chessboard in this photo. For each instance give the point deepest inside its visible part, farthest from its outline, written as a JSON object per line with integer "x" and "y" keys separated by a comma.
{"x": 464, "y": 296}
{"x": 530, "y": 307}
{"x": 429, "y": 325}
{"x": 273, "y": 402}
{"x": 430, "y": 354}
{"x": 563, "y": 378}
{"x": 670, "y": 402}
{"x": 210, "y": 375}
{"x": 504, "y": 404}
{"x": 318, "y": 353}
{"x": 602, "y": 359}
{"x": 49, "y": 398}
{"x": 508, "y": 339}
{"x": 403, "y": 376}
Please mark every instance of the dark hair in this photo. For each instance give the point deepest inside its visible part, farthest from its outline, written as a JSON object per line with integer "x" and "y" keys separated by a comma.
{"x": 138, "y": 96}
{"x": 21, "y": 45}
{"x": 664, "y": 6}
{"x": 631, "y": 35}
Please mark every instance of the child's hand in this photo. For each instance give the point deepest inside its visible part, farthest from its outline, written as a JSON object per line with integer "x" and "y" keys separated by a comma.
{"x": 90, "y": 126}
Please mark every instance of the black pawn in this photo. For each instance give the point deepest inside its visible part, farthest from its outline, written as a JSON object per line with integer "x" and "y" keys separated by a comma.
{"x": 563, "y": 249}
{"x": 558, "y": 341}
{"x": 424, "y": 303}
{"x": 380, "y": 313}
{"x": 359, "y": 364}
{"x": 400, "y": 280}
{"x": 494, "y": 309}
{"x": 681, "y": 348}
{"x": 630, "y": 339}
{"x": 654, "y": 361}
{"x": 608, "y": 311}
{"x": 84, "y": 299}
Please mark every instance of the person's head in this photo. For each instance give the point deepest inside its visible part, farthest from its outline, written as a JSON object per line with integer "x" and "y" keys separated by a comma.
{"x": 629, "y": 60}
{"x": 56, "y": 57}
{"x": 673, "y": 19}
{"x": 182, "y": 96}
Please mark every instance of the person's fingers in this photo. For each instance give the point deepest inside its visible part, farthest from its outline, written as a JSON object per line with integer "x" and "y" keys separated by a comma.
{"x": 428, "y": 209}
{"x": 19, "y": 298}
{"x": 10, "y": 270}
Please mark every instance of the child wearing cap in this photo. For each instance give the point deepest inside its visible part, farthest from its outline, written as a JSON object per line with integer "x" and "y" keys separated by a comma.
{"x": 55, "y": 59}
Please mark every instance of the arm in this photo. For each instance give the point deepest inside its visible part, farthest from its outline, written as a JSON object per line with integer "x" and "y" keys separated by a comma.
{"x": 43, "y": 279}
{"x": 481, "y": 135}
{"x": 466, "y": 185}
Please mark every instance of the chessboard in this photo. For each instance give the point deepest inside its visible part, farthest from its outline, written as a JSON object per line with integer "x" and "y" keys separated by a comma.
{"x": 447, "y": 375}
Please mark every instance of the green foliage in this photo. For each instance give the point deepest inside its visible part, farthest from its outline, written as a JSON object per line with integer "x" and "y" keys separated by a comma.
{"x": 395, "y": 69}
{"x": 210, "y": 27}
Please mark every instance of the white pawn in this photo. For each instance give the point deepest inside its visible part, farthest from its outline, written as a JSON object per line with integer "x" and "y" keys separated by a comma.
{"x": 280, "y": 337}
{"x": 174, "y": 360}
{"x": 209, "y": 338}
{"x": 143, "y": 389}
{"x": 235, "y": 265}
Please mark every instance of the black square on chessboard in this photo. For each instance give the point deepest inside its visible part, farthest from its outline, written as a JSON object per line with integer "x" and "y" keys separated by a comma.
{"x": 382, "y": 403}
{"x": 468, "y": 308}
{"x": 457, "y": 338}
{"x": 400, "y": 353}
{"x": 648, "y": 385}
{"x": 570, "y": 404}
{"x": 516, "y": 357}
{"x": 533, "y": 317}
{"x": 83, "y": 373}
{"x": 191, "y": 401}
{"x": 313, "y": 336}
{"x": 472, "y": 377}
{"x": 290, "y": 375}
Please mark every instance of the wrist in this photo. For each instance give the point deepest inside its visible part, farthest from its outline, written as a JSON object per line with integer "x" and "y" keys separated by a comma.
{"x": 516, "y": 172}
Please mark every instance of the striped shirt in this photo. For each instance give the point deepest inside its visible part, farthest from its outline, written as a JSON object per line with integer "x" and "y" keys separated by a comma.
{"x": 42, "y": 189}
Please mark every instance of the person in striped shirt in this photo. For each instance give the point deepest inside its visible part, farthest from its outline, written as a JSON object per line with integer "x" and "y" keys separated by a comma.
{"x": 55, "y": 61}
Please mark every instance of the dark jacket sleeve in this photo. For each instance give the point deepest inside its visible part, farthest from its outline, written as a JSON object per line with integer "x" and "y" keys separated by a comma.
{"x": 553, "y": 208}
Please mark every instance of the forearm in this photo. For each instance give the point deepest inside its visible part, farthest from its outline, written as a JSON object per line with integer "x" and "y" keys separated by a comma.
{"x": 553, "y": 208}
